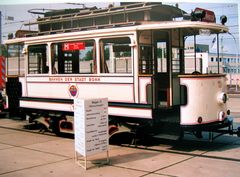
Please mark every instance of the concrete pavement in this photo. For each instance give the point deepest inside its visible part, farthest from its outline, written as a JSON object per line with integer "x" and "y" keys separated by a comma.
{"x": 29, "y": 154}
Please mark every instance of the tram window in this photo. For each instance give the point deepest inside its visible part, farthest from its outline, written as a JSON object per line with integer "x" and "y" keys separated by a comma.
{"x": 102, "y": 20}
{"x": 15, "y": 60}
{"x": 161, "y": 57}
{"x": 85, "y": 22}
{"x": 56, "y": 26}
{"x": 116, "y": 55}
{"x": 67, "y": 24}
{"x": 136, "y": 16}
{"x": 44, "y": 27}
{"x": 37, "y": 59}
{"x": 146, "y": 61}
{"x": 175, "y": 60}
{"x": 118, "y": 18}
{"x": 184, "y": 94}
{"x": 75, "y": 57}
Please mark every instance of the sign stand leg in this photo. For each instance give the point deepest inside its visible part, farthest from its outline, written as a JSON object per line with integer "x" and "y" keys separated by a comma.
{"x": 85, "y": 159}
{"x": 82, "y": 164}
{"x": 108, "y": 157}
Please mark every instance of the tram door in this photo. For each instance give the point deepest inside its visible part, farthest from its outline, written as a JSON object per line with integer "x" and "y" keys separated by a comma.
{"x": 168, "y": 49}
{"x": 161, "y": 55}
{"x": 169, "y": 63}
{"x": 162, "y": 77}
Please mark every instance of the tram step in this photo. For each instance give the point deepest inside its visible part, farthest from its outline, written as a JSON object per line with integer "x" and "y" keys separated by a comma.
{"x": 167, "y": 136}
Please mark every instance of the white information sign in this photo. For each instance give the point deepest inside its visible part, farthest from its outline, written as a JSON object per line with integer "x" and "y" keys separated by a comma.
{"x": 91, "y": 126}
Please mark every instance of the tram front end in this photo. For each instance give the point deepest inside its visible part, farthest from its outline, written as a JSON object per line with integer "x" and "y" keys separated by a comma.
{"x": 205, "y": 108}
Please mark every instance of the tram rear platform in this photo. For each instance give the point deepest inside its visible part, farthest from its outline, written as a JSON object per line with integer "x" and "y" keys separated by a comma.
{"x": 30, "y": 153}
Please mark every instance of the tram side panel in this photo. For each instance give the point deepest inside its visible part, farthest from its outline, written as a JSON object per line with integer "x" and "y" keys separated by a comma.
{"x": 57, "y": 94}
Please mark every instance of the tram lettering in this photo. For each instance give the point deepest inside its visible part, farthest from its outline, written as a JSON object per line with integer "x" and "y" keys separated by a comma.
{"x": 55, "y": 79}
{"x": 68, "y": 79}
{"x": 80, "y": 79}
{"x": 94, "y": 79}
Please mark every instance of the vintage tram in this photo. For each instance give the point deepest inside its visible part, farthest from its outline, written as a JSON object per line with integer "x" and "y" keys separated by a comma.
{"x": 132, "y": 54}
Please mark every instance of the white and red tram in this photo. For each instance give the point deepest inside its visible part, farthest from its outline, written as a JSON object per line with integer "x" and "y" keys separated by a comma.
{"x": 137, "y": 64}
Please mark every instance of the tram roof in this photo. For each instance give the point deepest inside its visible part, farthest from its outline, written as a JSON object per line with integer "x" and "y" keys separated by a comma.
{"x": 189, "y": 28}
{"x": 163, "y": 11}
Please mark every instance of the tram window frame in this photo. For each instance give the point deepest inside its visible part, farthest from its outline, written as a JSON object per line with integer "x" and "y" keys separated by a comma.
{"x": 38, "y": 59}
{"x": 146, "y": 63}
{"x": 176, "y": 63}
{"x": 15, "y": 63}
{"x": 162, "y": 61}
{"x": 122, "y": 55}
{"x": 74, "y": 61}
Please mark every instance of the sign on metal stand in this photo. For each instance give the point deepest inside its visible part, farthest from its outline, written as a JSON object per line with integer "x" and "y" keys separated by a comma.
{"x": 91, "y": 128}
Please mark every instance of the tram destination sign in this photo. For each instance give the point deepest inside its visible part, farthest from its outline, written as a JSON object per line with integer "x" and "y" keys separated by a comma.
{"x": 91, "y": 126}
{"x": 73, "y": 46}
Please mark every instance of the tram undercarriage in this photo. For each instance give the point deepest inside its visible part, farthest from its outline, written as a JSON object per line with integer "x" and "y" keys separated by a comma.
{"x": 166, "y": 127}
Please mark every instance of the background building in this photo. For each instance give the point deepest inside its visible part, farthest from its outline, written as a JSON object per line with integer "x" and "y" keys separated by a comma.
{"x": 206, "y": 62}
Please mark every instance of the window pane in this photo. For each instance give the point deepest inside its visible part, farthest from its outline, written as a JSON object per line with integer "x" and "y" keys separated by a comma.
{"x": 15, "y": 63}
{"x": 161, "y": 57}
{"x": 116, "y": 55}
{"x": 37, "y": 59}
{"x": 146, "y": 64}
{"x": 175, "y": 60}
{"x": 73, "y": 57}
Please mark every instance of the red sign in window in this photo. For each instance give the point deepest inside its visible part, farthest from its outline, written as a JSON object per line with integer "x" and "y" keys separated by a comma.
{"x": 73, "y": 46}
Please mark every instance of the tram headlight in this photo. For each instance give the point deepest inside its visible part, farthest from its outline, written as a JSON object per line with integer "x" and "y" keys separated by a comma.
{"x": 222, "y": 98}
{"x": 223, "y": 19}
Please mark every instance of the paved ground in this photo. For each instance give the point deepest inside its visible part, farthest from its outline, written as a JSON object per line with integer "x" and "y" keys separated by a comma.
{"x": 30, "y": 154}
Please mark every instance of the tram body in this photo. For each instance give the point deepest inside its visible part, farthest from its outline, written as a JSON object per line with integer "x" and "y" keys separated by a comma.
{"x": 139, "y": 68}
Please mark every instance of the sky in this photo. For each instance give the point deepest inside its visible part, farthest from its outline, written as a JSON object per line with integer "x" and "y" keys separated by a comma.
{"x": 18, "y": 10}
{"x": 231, "y": 11}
